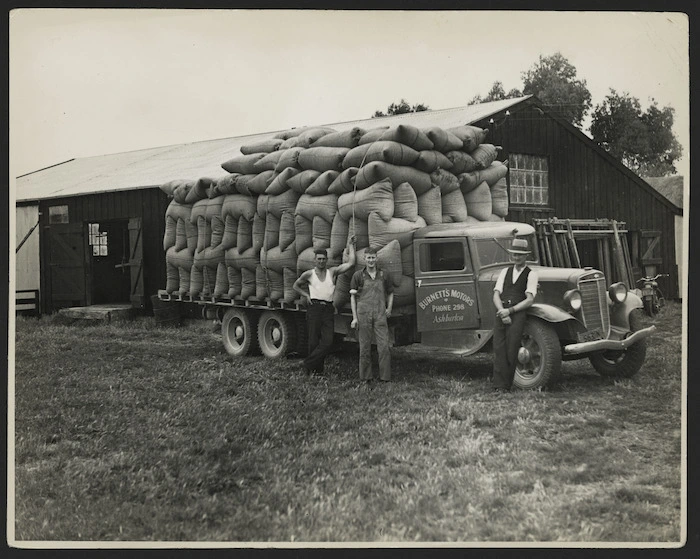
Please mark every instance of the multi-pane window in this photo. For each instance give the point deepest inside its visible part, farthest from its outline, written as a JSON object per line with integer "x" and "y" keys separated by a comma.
{"x": 529, "y": 179}
{"x": 97, "y": 240}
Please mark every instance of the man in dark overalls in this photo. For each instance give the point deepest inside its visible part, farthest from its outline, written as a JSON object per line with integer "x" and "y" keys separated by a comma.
{"x": 371, "y": 299}
{"x": 514, "y": 292}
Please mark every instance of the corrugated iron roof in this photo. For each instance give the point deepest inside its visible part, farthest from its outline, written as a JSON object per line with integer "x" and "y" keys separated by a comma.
{"x": 670, "y": 187}
{"x": 155, "y": 166}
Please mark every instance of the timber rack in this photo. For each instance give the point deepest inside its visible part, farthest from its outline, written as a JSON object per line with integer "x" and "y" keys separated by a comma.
{"x": 558, "y": 244}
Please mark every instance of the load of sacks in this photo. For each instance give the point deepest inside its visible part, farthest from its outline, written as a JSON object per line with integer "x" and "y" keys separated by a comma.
{"x": 251, "y": 233}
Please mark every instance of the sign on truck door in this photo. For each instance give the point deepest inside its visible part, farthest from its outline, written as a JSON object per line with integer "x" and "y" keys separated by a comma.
{"x": 445, "y": 285}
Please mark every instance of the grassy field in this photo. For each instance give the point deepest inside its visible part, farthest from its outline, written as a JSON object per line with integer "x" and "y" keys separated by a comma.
{"x": 133, "y": 432}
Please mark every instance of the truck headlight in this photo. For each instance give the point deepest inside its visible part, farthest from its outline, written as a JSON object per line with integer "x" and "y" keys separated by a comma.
{"x": 573, "y": 300}
{"x": 617, "y": 292}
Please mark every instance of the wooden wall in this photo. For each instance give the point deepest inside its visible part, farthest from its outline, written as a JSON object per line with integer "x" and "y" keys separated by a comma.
{"x": 585, "y": 182}
{"x": 148, "y": 203}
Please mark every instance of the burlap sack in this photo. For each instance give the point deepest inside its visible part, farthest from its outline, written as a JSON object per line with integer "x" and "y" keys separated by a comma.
{"x": 275, "y": 285}
{"x": 430, "y": 206}
{"x": 311, "y": 206}
{"x": 405, "y": 293}
{"x": 269, "y": 162}
{"x": 301, "y": 181}
{"x": 387, "y": 151}
{"x": 372, "y": 135}
{"x": 471, "y": 136}
{"x": 263, "y": 283}
{"x": 199, "y": 191}
{"x": 454, "y": 210}
{"x": 243, "y": 164}
{"x": 221, "y": 286}
{"x": 319, "y": 187}
{"x": 244, "y": 234}
{"x": 339, "y": 236}
{"x": 285, "y": 202}
{"x": 182, "y": 261}
{"x": 321, "y": 233}
{"x": 478, "y": 202}
{"x": 407, "y": 260}
{"x": 289, "y": 276}
{"x": 310, "y": 136}
{"x": 234, "y": 280}
{"x": 432, "y": 160}
{"x": 241, "y": 259}
{"x": 443, "y": 140}
{"x": 382, "y": 232}
{"x": 289, "y": 158}
{"x": 181, "y": 192}
{"x": 287, "y": 230}
{"x": 358, "y": 228}
{"x": 291, "y": 132}
{"x": 445, "y": 181}
{"x": 277, "y": 260}
{"x": 493, "y": 173}
{"x": 378, "y": 170}
{"x": 214, "y": 218}
{"x": 405, "y": 202}
{"x": 238, "y": 205}
{"x": 379, "y": 197}
{"x": 305, "y": 260}
{"x": 345, "y": 139}
{"x": 253, "y": 185}
{"x": 323, "y": 159}
{"x": 247, "y": 283}
{"x": 462, "y": 162}
{"x": 499, "y": 198}
{"x": 408, "y": 135}
{"x": 279, "y": 183}
{"x": 174, "y": 212}
{"x": 484, "y": 155}
{"x": 170, "y": 187}
{"x": 261, "y": 146}
{"x": 341, "y": 294}
{"x": 199, "y": 220}
{"x": 227, "y": 185}
{"x": 258, "y": 232}
{"x": 230, "y": 232}
{"x": 344, "y": 182}
{"x": 185, "y": 235}
{"x": 304, "y": 236}
{"x": 468, "y": 181}
{"x": 292, "y": 142}
{"x": 272, "y": 232}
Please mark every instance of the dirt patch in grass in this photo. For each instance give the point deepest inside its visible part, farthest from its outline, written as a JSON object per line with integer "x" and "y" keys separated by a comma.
{"x": 132, "y": 432}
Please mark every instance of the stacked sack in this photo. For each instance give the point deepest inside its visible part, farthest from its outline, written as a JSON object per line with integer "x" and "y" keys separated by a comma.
{"x": 251, "y": 233}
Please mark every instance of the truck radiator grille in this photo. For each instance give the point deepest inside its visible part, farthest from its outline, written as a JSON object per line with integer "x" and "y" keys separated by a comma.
{"x": 594, "y": 309}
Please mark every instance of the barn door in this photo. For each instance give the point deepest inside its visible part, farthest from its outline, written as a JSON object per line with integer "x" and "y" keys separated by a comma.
{"x": 67, "y": 265}
{"x": 650, "y": 248}
{"x": 138, "y": 298}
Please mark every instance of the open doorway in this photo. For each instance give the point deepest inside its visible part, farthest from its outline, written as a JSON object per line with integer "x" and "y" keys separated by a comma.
{"x": 109, "y": 258}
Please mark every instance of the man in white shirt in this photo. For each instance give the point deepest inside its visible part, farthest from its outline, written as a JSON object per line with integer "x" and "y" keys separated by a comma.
{"x": 513, "y": 294}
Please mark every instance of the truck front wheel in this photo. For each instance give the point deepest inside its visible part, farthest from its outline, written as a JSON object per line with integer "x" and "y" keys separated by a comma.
{"x": 625, "y": 363}
{"x": 276, "y": 334}
{"x": 539, "y": 357}
{"x": 239, "y": 332}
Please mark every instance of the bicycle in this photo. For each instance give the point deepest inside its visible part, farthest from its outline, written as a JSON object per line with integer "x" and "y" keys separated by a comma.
{"x": 652, "y": 296}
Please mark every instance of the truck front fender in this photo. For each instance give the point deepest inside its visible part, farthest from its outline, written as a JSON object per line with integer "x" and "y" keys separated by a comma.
{"x": 550, "y": 313}
{"x": 620, "y": 312}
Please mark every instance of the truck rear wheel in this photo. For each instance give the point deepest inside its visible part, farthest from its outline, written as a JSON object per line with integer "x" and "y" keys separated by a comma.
{"x": 539, "y": 357}
{"x": 276, "y": 334}
{"x": 625, "y": 363}
{"x": 239, "y": 332}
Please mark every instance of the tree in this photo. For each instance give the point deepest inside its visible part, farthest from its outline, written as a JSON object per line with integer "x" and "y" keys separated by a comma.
{"x": 400, "y": 108}
{"x": 553, "y": 81}
{"x": 496, "y": 93}
{"x": 642, "y": 140}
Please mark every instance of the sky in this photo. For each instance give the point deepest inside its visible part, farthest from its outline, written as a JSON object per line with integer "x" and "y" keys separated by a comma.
{"x": 87, "y": 82}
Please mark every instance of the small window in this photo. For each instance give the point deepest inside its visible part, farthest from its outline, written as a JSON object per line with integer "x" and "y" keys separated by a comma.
{"x": 58, "y": 214}
{"x": 442, "y": 257}
{"x": 529, "y": 179}
{"x": 97, "y": 240}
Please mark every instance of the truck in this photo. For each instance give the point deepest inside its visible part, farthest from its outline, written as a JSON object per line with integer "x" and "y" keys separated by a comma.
{"x": 576, "y": 314}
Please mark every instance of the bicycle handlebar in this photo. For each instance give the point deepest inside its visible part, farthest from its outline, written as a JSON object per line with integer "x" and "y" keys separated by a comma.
{"x": 648, "y": 278}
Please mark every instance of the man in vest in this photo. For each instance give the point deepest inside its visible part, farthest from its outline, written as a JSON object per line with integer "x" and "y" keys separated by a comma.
{"x": 371, "y": 299}
{"x": 320, "y": 284}
{"x": 514, "y": 292}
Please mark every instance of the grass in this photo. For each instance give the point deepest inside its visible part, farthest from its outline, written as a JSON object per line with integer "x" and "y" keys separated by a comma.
{"x": 133, "y": 432}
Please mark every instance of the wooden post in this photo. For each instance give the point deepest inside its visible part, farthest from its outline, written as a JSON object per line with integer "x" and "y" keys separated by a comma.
{"x": 628, "y": 262}
{"x": 601, "y": 257}
{"x": 619, "y": 256}
{"x": 608, "y": 263}
{"x": 558, "y": 256}
{"x": 572, "y": 245}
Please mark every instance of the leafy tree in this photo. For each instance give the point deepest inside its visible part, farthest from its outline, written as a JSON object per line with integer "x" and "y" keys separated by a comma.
{"x": 496, "y": 93}
{"x": 400, "y": 108}
{"x": 642, "y": 140}
{"x": 553, "y": 81}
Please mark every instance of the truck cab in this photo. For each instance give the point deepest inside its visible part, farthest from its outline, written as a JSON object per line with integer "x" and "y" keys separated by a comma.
{"x": 575, "y": 313}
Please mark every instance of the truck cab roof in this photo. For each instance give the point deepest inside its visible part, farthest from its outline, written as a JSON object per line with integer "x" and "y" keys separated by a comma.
{"x": 483, "y": 230}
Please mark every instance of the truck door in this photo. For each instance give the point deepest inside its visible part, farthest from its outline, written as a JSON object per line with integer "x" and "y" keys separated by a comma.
{"x": 445, "y": 285}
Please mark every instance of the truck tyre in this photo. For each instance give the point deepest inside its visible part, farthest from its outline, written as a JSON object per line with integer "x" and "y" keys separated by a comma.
{"x": 625, "y": 363}
{"x": 539, "y": 357}
{"x": 276, "y": 334}
{"x": 239, "y": 332}
{"x": 649, "y": 306}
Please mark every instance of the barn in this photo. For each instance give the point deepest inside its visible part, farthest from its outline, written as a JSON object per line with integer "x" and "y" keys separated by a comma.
{"x": 91, "y": 229}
